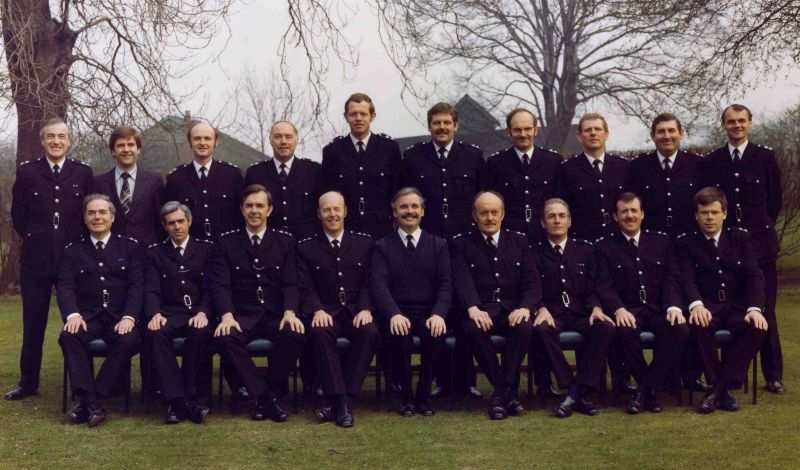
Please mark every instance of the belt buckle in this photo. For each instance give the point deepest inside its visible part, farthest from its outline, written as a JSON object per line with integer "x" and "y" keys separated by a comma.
{"x": 260, "y": 294}
{"x": 496, "y": 295}
{"x": 669, "y": 221}
{"x": 106, "y": 298}
{"x": 643, "y": 295}
{"x": 342, "y": 298}
{"x": 187, "y": 301}
{"x": 56, "y": 220}
{"x": 721, "y": 295}
{"x": 207, "y": 227}
{"x": 565, "y": 298}
{"x": 528, "y": 214}
{"x": 606, "y": 218}
{"x": 361, "y": 206}
{"x": 444, "y": 209}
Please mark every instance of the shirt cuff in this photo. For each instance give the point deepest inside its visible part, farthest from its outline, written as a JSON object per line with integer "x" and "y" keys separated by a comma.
{"x": 73, "y": 314}
{"x": 751, "y": 309}
{"x": 695, "y": 304}
{"x": 675, "y": 308}
{"x": 129, "y": 318}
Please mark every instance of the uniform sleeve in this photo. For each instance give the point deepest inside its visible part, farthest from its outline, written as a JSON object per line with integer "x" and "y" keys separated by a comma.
{"x": 754, "y": 279}
{"x": 463, "y": 285}
{"x": 364, "y": 298}
{"x": 219, "y": 280}
{"x": 482, "y": 173}
{"x": 161, "y": 233}
{"x": 152, "y": 286}
{"x": 19, "y": 209}
{"x": 206, "y": 303}
{"x": 687, "y": 274}
{"x": 66, "y": 294}
{"x": 670, "y": 288}
{"x": 135, "y": 282}
{"x": 169, "y": 191}
{"x": 237, "y": 219}
{"x": 396, "y": 163}
{"x": 592, "y": 300}
{"x": 311, "y": 301}
{"x": 531, "y": 282}
{"x": 380, "y": 285}
{"x": 774, "y": 188}
{"x": 328, "y": 168}
{"x": 444, "y": 296}
{"x": 289, "y": 284}
{"x": 606, "y": 292}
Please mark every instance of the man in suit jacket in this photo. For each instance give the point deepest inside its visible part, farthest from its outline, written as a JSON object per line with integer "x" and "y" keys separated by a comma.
{"x": 592, "y": 181}
{"x": 100, "y": 290}
{"x": 568, "y": 271}
{"x": 724, "y": 288}
{"x": 46, "y": 209}
{"x": 749, "y": 176}
{"x": 295, "y": 183}
{"x": 412, "y": 290}
{"x": 638, "y": 282}
{"x": 365, "y": 167}
{"x": 253, "y": 284}
{"x": 496, "y": 288}
{"x": 334, "y": 271}
{"x": 177, "y": 305}
{"x": 136, "y": 192}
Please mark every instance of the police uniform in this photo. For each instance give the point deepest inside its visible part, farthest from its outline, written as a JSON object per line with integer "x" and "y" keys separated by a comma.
{"x": 666, "y": 196}
{"x": 175, "y": 287}
{"x": 727, "y": 280}
{"x": 47, "y": 212}
{"x": 568, "y": 293}
{"x": 257, "y": 284}
{"x": 642, "y": 279}
{"x": 336, "y": 280}
{"x": 103, "y": 286}
{"x": 367, "y": 179}
{"x": 497, "y": 279}
{"x": 295, "y": 198}
{"x": 214, "y": 202}
{"x": 524, "y": 190}
{"x": 753, "y": 190}
{"x": 592, "y": 197}
{"x": 143, "y": 220}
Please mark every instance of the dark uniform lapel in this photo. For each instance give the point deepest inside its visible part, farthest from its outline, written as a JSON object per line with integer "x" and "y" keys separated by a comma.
{"x": 346, "y": 243}
{"x": 107, "y": 179}
{"x": 46, "y": 172}
{"x": 191, "y": 173}
{"x": 622, "y": 241}
{"x": 535, "y": 162}
{"x": 586, "y": 167}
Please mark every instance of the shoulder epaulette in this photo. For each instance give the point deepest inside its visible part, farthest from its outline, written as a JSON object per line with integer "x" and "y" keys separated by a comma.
{"x": 684, "y": 234}
{"x": 569, "y": 159}
{"x": 655, "y": 232}
{"x": 416, "y": 145}
{"x": 742, "y": 229}
{"x": 179, "y": 166}
{"x": 641, "y": 155}
{"x": 497, "y": 153}
{"x": 124, "y": 237}
{"x": 468, "y": 145}
{"x": 601, "y": 238}
{"x": 81, "y": 162}
{"x": 153, "y": 245}
{"x": 337, "y": 138}
{"x": 31, "y": 160}
{"x": 763, "y": 146}
{"x": 306, "y": 239}
{"x": 256, "y": 163}
{"x": 517, "y": 232}
{"x": 203, "y": 240}
{"x": 581, "y": 240}
{"x": 230, "y": 232}
{"x": 226, "y": 163}
{"x": 285, "y": 233}
{"x": 458, "y": 235}
{"x": 75, "y": 243}
{"x": 385, "y": 136}
{"x": 359, "y": 233}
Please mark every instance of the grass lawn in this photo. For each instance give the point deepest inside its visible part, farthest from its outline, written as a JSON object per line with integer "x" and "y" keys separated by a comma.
{"x": 35, "y": 434}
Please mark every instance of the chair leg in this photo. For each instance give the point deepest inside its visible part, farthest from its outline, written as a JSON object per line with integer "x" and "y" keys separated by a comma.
{"x": 219, "y": 379}
{"x": 294, "y": 387}
{"x": 755, "y": 378}
{"x": 529, "y": 375}
{"x": 64, "y": 389}
{"x": 377, "y": 383}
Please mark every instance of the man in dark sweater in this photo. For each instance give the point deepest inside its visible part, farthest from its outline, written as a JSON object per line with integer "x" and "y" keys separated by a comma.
{"x": 411, "y": 288}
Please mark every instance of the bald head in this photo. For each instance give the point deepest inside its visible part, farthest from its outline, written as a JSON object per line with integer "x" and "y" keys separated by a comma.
{"x": 332, "y": 211}
{"x": 488, "y": 210}
{"x": 203, "y": 140}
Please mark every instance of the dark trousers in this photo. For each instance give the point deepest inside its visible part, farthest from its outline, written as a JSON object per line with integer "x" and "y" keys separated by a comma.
{"x": 771, "y": 354}
{"x": 282, "y": 360}
{"x": 117, "y": 361}
{"x": 36, "y": 293}
{"x": 591, "y": 358}
{"x": 401, "y": 347}
{"x": 503, "y": 374}
{"x": 671, "y": 341}
{"x": 180, "y": 382}
{"x": 455, "y": 373}
{"x": 747, "y": 341}
{"x": 328, "y": 364}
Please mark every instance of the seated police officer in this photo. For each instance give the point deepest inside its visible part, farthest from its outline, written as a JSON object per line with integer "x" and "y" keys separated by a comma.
{"x": 254, "y": 290}
{"x": 638, "y": 281}
{"x": 334, "y": 274}
{"x": 724, "y": 288}
{"x": 497, "y": 286}
{"x": 568, "y": 271}
{"x": 100, "y": 296}
{"x": 176, "y": 304}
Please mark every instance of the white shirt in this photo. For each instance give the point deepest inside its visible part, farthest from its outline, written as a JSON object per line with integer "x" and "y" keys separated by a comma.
{"x": 446, "y": 149}
{"x": 182, "y": 245}
{"x": 601, "y": 159}
{"x": 365, "y": 140}
{"x": 495, "y": 237}
{"x": 331, "y": 239}
{"x": 60, "y": 164}
{"x": 529, "y": 152}
{"x": 635, "y": 237}
{"x": 672, "y": 159}
{"x": 207, "y": 166}
{"x": 105, "y": 245}
{"x": 260, "y": 235}
{"x": 741, "y": 149}
{"x": 131, "y": 181}
{"x": 415, "y": 236}
{"x": 563, "y": 244}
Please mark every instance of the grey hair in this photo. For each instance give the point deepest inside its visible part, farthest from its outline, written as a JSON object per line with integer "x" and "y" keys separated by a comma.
{"x": 405, "y": 192}
{"x": 53, "y": 122}
{"x": 98, "y": 197}
{"x": 555, "y": 200}
{"x": 174, "y": 206}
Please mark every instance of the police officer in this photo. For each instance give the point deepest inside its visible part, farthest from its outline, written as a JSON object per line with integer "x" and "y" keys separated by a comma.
{"x": 591, "y": 182}
{"x": 177, "y": 304}
{"x": 210, "y": 187}
{"x": 638, "y": 282}
{"x": 100, "y": 289}
{"x": 334, "y": 271}
{"x": 46, "y": 209}
{"x": 724, "y": 288}
{"x": 497, "y": 286}
{"x": 364, "y": 167}
{"x": 568, "y": 271}
{"x": 253, "y": 284}
{"x": 295, "y": 183}
{"x": 749, "y": 176}
{"x": 524, "y": 175}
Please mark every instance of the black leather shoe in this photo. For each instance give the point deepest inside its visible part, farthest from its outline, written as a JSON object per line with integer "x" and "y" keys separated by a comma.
{"x": 276, "y": 412}
{"x": 344, "y": 416}
{"x": 440, "y": 392}
{"x": 78, "y": 414}
{"x": 549, "y": 391}
{"x": 636, "y": 404}
{"x": 697, "y": 386}
{"x": 194, "y": 412}
{"x": 172, "y": 416}
{"x": 497, "y": 409}
{"x": 241, "y": 394}
{"x": 513, "y": 406}
{"x": 18, "y": 393}
{"x": 566, "y": 407}
{"x": 474, "y": 392}
{"x": 728, "y": 403}
{"x": 406, "y": 410}
{"x": 425, "y": 409}
{"x": 325, "y": 414}
{"x": 625, "y": 386}
{"x": 708, "y": 404}
{"x": 585, "y": 406}
{"x": 260, "y": 412}
{"x": 97, "y": 415}
{"x": 775, "y": 386}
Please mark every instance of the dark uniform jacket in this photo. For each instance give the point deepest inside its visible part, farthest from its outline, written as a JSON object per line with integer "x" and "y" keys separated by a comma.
{"x": 754, "y": 193}
{"x": 143, "y": 221}
{"x": 92, "y": 281}
{"x": 294, "y": 201}
{"x": 592, "y": 198}
{"x": 177, "y": 286}
{"x": 727, "y": 276}
{"x": 252, "y": 282}
{"x": 568, "y": 282}
{"x": 48, "y": 212}
{"x": 525, "y": 191}
{"x": 637, "y": 278}
{"x": 367, "y": 181}
{"x": 448, "y": 187}
{"x": 496, "y": 282}
{"x": 666, "y": 199}
{"x": 336, "y": 282}
{"x": 215, "y": 204}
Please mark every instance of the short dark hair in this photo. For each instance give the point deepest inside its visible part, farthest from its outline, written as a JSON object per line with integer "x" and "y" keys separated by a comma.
{"x": 628, "y": 196}
{"x": 405, "y": 192}
{"x": 359, "y": 98}
{"x": 123, "y": 132}
{"x": 53, "y": 122}
{"x": 555, "y": 200}
{"x": 738, "y": 108}
{"x": 253, "y": 189}
{"x": 197, "y": 123}
{"x": 665, "y": 117}
{"x": 709, "y": 195}
{"x": 442, "y": 108}
{"x": 516, "y": 111}
{"x": 591, "y": 117}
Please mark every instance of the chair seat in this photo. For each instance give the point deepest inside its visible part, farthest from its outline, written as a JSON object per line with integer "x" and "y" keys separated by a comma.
{"x": 498, "y": 341}
{"x": 97, "y": 347}
{"x": 343, "y": 344}
{"x": 177, "y": 344}
{"x": 723, "y": 337}
{"x": 570, "y": 339}
{"x": 259, "y": 347}
{"x": 450, "y": 342}
{"x": 648, "y": 339}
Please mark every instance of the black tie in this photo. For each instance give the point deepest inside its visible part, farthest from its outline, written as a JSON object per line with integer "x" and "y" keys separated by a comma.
{"x": 203, "y": 176}
{"x": 667, "y": 165}
{"x": 99, "y": 245}
{"x": 410, "y": 242}
{"x": 442, "y": 152}
{"x": 632, "y": 241}
{"x": 283, "y": 173}
{"x": 525, "y": 160}
{"x": 335, "y": 244}
{"x": 360, "y": 147}
{"x": 256, "y": 240}
{"x": 736, "y": 156}
{"x": 597, "y": 169}
{"x": 125, "y": 194}
{"x": 56, "y": 170}
{"x": 712, "y": 243}
{"x": 490, "y": 242}
{"x": 557, "y": 249}
{"x": 179, "y": 249}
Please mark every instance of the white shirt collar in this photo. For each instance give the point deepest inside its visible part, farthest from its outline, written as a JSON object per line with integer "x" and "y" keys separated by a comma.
{"x": 417, "y": 233}
{"x": 562, "y": 244}
{"x": 289, "y": 163}
{"x": 104, "y": 240}
{"x": 672, "y": 157}
{"x": 60, "y": 164}
{"x": 495, "y": 237}
{"x": 207, "y": 166}
{"x": 635, "y": 237}
{"x": 365, "y": 140}
{"x": 182, "y": 245}
{"x": 591, "y": 159}
{"x": 529, "y": 152}
{"x": 331, "y": 239}
{"x": 118, "y": 172}
{"x": 740, "y": 147}
{"x": 446, "y": 147}
{"x": 260, "y": 234}
{"x": 715, "y": 237}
